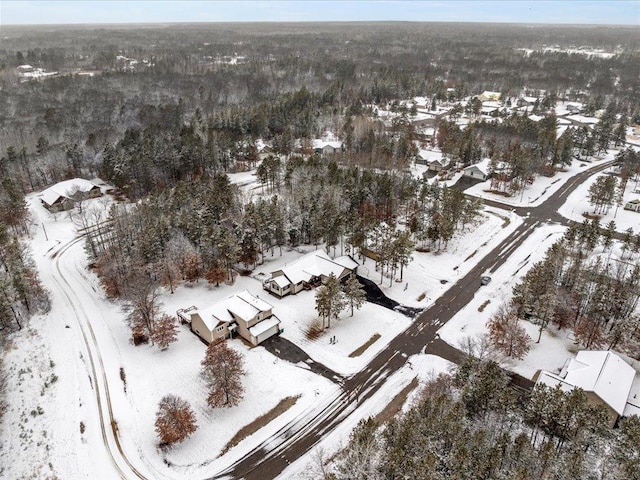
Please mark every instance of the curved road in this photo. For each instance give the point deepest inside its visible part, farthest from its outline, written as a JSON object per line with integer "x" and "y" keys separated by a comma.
{"x": 122, "y": 467}
{"x": 291, "y": 442}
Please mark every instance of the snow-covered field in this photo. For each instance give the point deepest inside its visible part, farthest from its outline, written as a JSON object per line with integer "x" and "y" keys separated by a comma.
{"x": 578, "y": 203}
{"x": 542, "y": 187}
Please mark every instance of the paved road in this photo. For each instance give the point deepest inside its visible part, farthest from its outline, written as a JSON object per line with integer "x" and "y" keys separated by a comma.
{"x": 294, "y": 440}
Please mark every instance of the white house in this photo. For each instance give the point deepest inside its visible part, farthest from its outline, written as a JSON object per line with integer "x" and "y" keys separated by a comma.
{"x": 242, "y": 313}
{"x": 312, "y": 269}
{"x": 604, "y": 376}
{"x": 479, "y": 171}
{"x": 633, "y": 205}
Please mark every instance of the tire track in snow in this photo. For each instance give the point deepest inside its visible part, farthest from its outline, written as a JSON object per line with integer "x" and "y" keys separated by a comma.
{"x": 97, "y": 372}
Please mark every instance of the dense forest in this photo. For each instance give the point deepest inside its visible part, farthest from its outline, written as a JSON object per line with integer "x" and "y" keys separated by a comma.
{"x": 276, "y": 82}
{"x": 471, "y": 425}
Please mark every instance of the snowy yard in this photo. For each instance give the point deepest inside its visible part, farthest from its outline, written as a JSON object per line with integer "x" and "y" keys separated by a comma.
{"x": 543, "y": 187}
{"x": 578, "y": 203}
{"x": 432, "y": 273}
{"x": 554, "y": 348}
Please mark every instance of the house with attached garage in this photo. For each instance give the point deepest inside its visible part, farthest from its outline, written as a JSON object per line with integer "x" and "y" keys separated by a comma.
{"x": 327, "y": 147}
{"x": 240, "y": 314}
{"x": 312, "y": 269}
{"x": 64, "y": 195}
{"x": 604, "y": 376}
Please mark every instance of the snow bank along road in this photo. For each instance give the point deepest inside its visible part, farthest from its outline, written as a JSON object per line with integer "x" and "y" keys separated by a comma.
{"x": 122, "y": 467}
{"x": 300, "y": 435}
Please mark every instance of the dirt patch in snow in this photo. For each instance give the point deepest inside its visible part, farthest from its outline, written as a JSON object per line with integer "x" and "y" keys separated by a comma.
{"x": 362, "y": 348}
{"x": 282, "y": 406}
{"x": 392, "y": 409}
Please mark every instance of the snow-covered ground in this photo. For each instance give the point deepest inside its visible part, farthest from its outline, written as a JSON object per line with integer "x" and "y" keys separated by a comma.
{"x": 542, "y": 187}
{"x": 51, "y": 443}
{"x": 420, "y": 367}
{"x": 578, "y": 203}
{"x": 554, "y": 348}
{"x": 54, "y": 345}
{"x": 431, "y": 273}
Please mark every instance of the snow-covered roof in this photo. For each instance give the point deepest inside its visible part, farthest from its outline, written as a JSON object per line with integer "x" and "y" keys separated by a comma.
{"x": 263, "y": 326}
{"x": 346, "y": 261}
{"x": 282, "y": 281}
{"x": 314, "y": 264}
{"x": 583, "y": 119}
{"x": 214, "y": 315}
{"x": 491, "y": 104}
{"x": 482, "y": 165}
{"x": 66, "y": 189}
{"x": 317, "y": 143}
{"x": 241, "y": 304}
{"x": 255, "y": 302}
{"x": 601, "y": 372}
{"x": 429, "y": 155}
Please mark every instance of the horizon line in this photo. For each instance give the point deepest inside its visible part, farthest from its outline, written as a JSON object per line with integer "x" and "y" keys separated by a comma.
{"x": 314, "y": 22}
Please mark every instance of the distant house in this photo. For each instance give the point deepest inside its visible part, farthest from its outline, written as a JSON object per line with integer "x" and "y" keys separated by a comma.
{"x": 604, "y": 376}
{"x": 327, "y": 147}
{"x": 438, "y": 165}
{"x": 64, "y": 195}
{"x": 633, "y": 205}
{"x": 526, "y": 101}
{"x": 479, "y": 171}
{"x": 431, "y": 158}
{"x": 488, "y": 96}
{"x": 312, "y": 269}
{"x": 242, "y": 313}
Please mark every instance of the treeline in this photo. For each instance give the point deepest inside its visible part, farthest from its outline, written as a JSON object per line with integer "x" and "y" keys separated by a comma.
{"x": 590, "y": 283}
{"x": 298, "y": 80}
{"x": 470, "y": 425}
{"x": 205, "y": 228}
{"x": 21, "y": 293}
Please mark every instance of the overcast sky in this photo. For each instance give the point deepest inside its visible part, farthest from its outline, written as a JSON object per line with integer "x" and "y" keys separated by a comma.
{"x": 149, "y": 11}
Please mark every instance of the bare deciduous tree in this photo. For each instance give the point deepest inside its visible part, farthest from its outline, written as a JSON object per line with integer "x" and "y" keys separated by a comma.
{"x": 175, "y": 420}
{"x": 222, "y": 369}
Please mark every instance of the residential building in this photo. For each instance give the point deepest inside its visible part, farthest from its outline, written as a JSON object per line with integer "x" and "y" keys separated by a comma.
{"x": 310, "y": 270}
{"x": 604, "y": 376}
{"x": 240, "y": 314}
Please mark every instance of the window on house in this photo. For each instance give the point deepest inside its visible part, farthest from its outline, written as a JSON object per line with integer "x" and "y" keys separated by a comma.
{"x": 219, "y": 329}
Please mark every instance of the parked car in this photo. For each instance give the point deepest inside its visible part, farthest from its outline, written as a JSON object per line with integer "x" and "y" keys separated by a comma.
{"x": 485, "y": 280}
